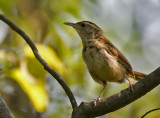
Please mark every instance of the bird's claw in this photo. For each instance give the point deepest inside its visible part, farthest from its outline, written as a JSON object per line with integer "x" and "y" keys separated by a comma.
{"x": 95, "y": 100}
{"x": 131, "y": 87}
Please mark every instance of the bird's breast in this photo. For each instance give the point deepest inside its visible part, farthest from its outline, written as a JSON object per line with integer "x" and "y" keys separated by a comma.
{"x": 102, "y": 66}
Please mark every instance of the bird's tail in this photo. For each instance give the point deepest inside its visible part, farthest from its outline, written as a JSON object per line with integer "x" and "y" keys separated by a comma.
{"x": 139, "y": 75}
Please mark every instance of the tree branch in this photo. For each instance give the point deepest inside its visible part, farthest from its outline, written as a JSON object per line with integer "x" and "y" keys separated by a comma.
{"x": 4, "y": 110}
{"x": 41, "y": 60}
{"x": 119, "y": 100}
{"x": 150, "y": 112}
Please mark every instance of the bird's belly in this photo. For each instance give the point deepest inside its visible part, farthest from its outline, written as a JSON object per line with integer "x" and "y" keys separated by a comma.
{"x": 103, "y": 67}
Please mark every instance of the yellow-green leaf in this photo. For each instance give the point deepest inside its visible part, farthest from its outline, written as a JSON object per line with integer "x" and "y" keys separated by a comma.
{"x": 49, "y": 55}
{"x": 34, "y": 89}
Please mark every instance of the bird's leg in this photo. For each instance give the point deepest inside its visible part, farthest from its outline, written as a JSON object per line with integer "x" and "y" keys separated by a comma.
{"x": 100, "y": 96}
{"x": 130, "y": 84}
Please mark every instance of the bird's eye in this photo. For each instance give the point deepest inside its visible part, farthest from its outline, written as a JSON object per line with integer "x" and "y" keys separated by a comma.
{"x": 83, "y": 25}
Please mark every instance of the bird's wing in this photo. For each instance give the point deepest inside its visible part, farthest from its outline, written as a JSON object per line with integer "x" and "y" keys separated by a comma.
{"x": 113, "y": 51}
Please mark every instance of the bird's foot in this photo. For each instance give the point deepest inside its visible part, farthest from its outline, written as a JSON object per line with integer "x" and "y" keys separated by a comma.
{"x": 131, "y": 87}
{"x": 95, "y": 100}
{"x": 130, "y": 84}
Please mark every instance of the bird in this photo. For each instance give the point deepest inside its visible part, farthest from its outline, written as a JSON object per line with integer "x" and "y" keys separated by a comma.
{"x": 104, "y": 61}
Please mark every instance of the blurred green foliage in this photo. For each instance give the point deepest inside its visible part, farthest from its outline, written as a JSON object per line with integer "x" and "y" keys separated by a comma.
{"x": 22, "y": 76}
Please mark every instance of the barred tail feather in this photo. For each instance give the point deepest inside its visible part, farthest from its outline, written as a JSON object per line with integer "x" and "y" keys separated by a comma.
{"x": 139, "y": 75}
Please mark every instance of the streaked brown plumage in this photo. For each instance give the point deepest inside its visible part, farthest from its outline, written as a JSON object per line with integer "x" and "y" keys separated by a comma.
{"x": 103, "y": 60}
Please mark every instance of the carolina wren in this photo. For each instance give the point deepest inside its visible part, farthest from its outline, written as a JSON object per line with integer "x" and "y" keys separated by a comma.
{"x": 103, "y": 60}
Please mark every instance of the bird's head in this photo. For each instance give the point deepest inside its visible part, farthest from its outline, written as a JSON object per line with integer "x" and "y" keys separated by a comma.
{"x": 86, "y": 30}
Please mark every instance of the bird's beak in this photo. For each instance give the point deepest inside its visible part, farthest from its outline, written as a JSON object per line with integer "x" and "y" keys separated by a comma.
{"x": 70, "y": 24}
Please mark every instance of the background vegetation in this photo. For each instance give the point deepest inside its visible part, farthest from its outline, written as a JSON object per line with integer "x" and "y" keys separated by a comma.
{"x": 30, "y": 92}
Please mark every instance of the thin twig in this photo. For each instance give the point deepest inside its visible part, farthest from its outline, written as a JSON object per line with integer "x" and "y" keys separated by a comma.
{"x": 150, "y": 112}
{"x": 41, "y": 60}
